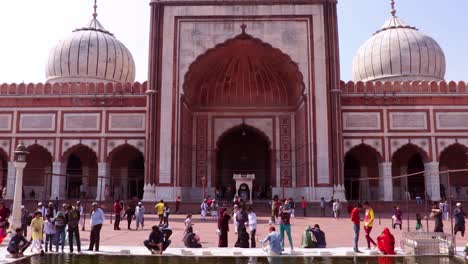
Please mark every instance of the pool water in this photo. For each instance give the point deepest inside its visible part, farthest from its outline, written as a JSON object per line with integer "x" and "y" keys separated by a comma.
{"x": 95, "y": 259}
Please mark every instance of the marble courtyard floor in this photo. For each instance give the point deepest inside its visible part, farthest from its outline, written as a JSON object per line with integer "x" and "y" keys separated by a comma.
{"x": 338, "y": 232}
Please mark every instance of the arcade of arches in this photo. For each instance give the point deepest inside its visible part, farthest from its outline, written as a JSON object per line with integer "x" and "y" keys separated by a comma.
{"x": 363, "y": 162}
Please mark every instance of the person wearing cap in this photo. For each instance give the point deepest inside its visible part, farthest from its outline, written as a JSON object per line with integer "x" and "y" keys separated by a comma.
{"x": 50, "y": 210}
{"x": 140, "y": 215}
{"x": 274, "y": 242}
{"x": 97, "y": 218}
{"x": 41, "y": 208}
{"x": 459, "y": 216}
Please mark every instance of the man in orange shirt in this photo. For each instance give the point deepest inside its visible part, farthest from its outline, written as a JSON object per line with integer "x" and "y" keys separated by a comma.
{"x": 368, "y": 223}
{"x": 355, "y": 218}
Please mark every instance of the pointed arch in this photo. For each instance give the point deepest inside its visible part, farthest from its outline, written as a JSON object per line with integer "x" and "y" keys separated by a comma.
{"x": 243, "y": 71}
{"x": 37, "y": 173}
{"x": 118, "y": 148}
{"x": 410, "y": 147}
{"x": 66, "y": 152}
{"x": 246, "y": 127}
{"x": 372, "y": 151}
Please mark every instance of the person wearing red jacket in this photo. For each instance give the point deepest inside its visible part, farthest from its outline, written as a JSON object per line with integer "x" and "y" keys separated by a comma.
{"x": 356, "y": 219}
{"x": 117, "y": 212}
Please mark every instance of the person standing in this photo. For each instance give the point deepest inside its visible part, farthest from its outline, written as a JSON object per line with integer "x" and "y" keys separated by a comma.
{"x": 60, "y": 224}
{"x": 459, "y": 216}
{"x": 285, "y": 225}
{"x": 117, "y": 212}
{"x": 49, "y": 230}
{"x": 188, "y": 221}
{"x": 397, "y": 217}
{"x": 80, "y": 209}
{"x": 242, "y": 235}
{"x": 72, "y": 217}
{"x": 130, "y": 214}
{"x": 336, "y": 208}
{"x": 368, "y": 223}
{"x": 167, "y": 212}
{"x": 25, "y": 218}
{"x": 436, "y": 213}
{"x": 140, "y": 215}
{"x": 97, "y": 218}
{"x": 322, "y": 207}
{"x": 223, "y": 227}
{"x": 177, "y": 204}
{"x": 303, "y": 206}
{"x": 330, "y": 204}
{"x": 214, "y": 210}
{"x": 252, "y": 226}
{"x": 159, "y": 207}
{"x": 37, "y": 228}
{"x": 4, "y": 212}
{"x": 445, "y": 210}
{"x": 204, "y": 209}
{"x": 292, "y": 204}
{"x": 355, "y": 218}
{"x": 275, "y": 242}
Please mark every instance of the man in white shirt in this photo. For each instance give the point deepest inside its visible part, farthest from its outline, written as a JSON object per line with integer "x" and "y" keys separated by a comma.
{"x": 252, "y": 226}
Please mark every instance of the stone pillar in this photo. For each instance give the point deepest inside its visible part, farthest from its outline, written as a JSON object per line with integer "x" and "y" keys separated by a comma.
{"x": 59, "y": 179}
{"x": 404, "y": 191}
{"x": 124, "y": 182}
{"x": 103, "y": 181}
{"x": 385, "y": 182}
{"x": 153, "y": 102}
{"x": 364, "y": 187}
{"x": 85, "y": 180}
{"x": 46, "y": 185}
{"x": 432, "y": 181}
{"x": 10, "y": 180}
{"x": 18, "y": 196}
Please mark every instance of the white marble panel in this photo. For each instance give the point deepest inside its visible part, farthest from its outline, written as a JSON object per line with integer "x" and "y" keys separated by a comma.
{"x": 81, "y": 121}
{"x": 37, "y": 122}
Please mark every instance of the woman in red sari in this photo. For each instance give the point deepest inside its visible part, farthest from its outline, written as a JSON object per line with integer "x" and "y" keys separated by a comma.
{"x": 223, "y": 227}
{"x": 386, "y": 242}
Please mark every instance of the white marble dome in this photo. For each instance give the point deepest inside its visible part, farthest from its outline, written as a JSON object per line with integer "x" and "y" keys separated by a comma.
{"x": 399, "y": 52}
{"x": 90, "y": 54}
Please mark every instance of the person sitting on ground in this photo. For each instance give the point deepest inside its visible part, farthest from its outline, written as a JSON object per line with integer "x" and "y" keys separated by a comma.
{"x": 319, "y": 236}
{"x": 386, "y": 242}
{"x": 155, "y": 241}
{"x": 191, "y": 240}
{"x": 275, "y": 242}
{"x": 308, "y": 238}
{"x": 18, "y": 244}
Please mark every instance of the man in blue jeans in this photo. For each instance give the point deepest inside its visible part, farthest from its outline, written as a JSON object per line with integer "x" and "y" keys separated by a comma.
{"x": 285, "y": 225}
{"x": 356, "y": 219}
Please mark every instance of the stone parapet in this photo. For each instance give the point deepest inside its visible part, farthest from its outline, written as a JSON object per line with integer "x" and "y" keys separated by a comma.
{"x": 72, "y": 89}
{"x": 405, "y": 87}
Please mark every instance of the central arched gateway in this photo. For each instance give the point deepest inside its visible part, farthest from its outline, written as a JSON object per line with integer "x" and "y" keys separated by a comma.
{"x": 243, "y": 149}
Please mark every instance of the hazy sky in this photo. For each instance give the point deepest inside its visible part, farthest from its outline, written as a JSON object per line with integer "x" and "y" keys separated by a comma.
{"x": 29, "y": 28}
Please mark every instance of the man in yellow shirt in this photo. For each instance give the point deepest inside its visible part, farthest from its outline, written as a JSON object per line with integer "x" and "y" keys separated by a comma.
{"x": 368, "y": 223}
{"x": 160, "y": 211}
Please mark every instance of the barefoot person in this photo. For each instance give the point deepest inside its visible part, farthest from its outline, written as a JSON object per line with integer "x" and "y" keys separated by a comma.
{"x": 223, "y": 227}
{"x": 18, "y": 244}
{"x": 274, "y": 242}
{"x": 368, "y": 223}
{"x": 97, "y": 219}
{"x": 158, "y": 240}
{"x": 355, "y": 218}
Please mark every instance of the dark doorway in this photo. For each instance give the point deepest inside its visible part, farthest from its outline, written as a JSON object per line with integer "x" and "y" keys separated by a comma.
{"x": 352, "y": 172}
{"x": 127, "y": 172}
{"x": 243, "y": 150}
{"x": 416, "y": 185}
{"x": 74, "y": 176}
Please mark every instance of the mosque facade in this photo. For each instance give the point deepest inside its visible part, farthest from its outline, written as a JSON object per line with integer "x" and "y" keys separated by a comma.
{"x": 240, "y": 87}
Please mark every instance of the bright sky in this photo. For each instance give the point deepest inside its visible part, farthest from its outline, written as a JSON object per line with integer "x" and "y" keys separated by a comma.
{"x": 29, "y": 28}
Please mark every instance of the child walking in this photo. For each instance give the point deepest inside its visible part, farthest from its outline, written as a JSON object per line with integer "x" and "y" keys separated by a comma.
{"x": 37, "y": 228}
{"x": 419, "y": 226}
{"x": 140, "y": 215}
{"x": 49, "y": 230}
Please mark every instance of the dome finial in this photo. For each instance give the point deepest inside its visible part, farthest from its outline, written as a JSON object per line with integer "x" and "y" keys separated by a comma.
{"x": 393, "y": 10}
{"x": 95, "y": 9}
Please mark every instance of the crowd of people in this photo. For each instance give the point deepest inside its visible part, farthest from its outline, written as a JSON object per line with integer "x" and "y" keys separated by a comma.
{"x": 52, "y": 226}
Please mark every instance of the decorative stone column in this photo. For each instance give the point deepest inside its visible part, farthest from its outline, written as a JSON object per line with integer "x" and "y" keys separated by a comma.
{"x": 10, "y": 180}
{"x": 103, "y": 181}
{"x": 18, "y": 196}
{"x": 432, "y": 181}
{"x": 47, "y": 184}
{"x": 58, "y": 181}
{"x": 385, "y": 182}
